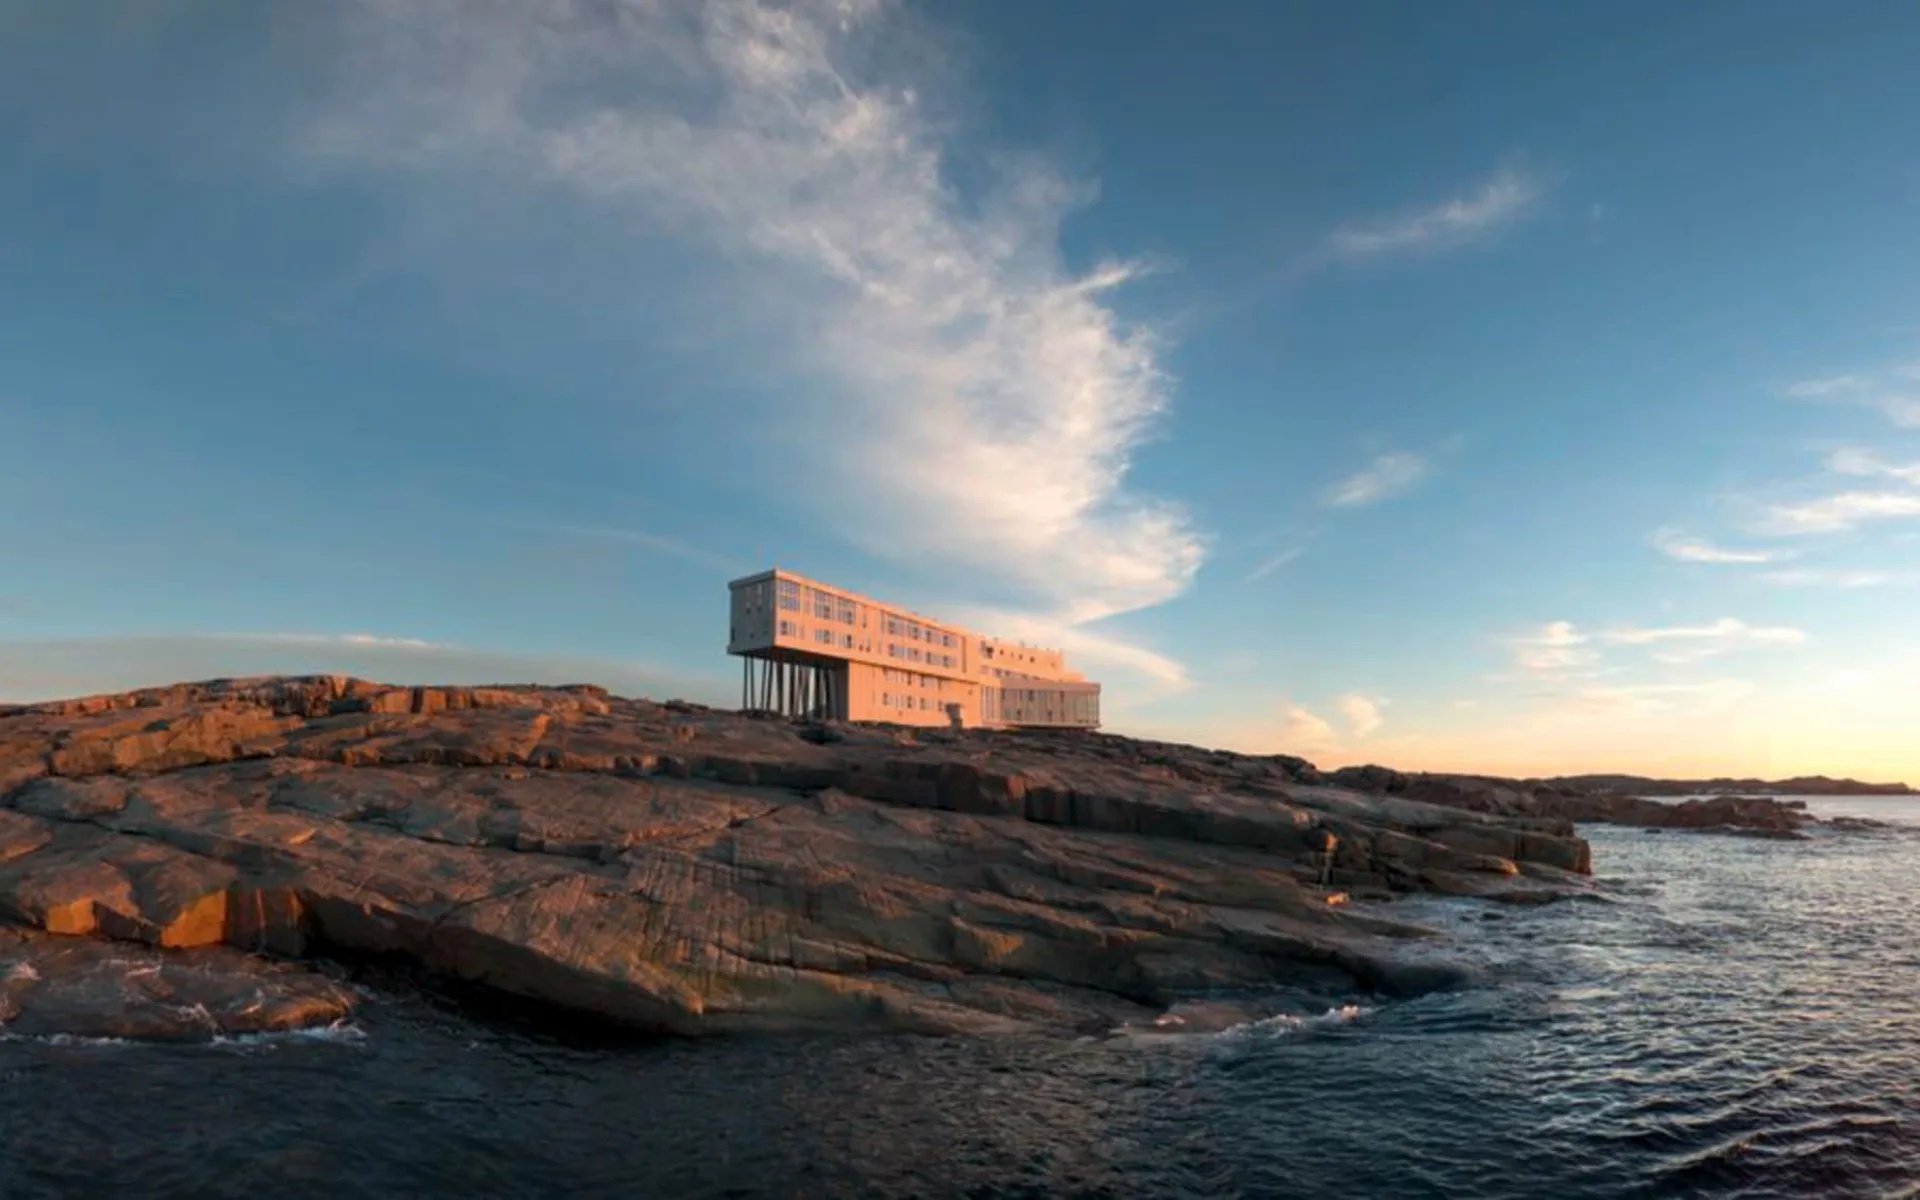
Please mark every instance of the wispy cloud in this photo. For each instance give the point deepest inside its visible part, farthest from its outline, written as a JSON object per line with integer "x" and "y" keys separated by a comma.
{"x": 1837, "y": 513}
{"x": 1864, "y": 463}
{"x": 1555, "y": 650}
{"x": 1820, "y": 389}
{"x": 1274, "y": 563}
{"x": 982, "y": 403}
{"x": 1903, "y": 411}
{"x": 1560, "y": 651}
{"x": 1896, "y": 393}
{"x": 1362, "y": 713}
{"x": 658, "y": 543}
{"x": 1814, "y": 578}
{"x": 1082, "y": 644}
{"x": 1676, "y": 545}
{"x": 1727, "y": 630}
{"x": 1661, "y": 698}
{"x": 1384, "y": 478}
{"x": 1499, "y": 201}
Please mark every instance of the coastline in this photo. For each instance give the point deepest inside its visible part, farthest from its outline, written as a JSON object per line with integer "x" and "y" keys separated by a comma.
{"x": 682, "y": 870}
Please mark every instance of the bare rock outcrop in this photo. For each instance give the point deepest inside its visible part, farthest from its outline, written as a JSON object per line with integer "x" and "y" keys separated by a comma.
{"x": 57, "y": 987}
{"x": 1565, "y": 801}
{"x": 693, "y": 871}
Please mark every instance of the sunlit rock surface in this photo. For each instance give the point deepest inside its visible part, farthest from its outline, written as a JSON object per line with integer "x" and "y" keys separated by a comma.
{"x": 693, "y": 871}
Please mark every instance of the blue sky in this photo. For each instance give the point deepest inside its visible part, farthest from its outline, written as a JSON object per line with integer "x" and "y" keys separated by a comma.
{"x": 1505, "y": 386}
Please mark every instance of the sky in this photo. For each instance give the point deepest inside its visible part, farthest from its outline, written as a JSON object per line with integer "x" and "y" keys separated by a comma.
{"x": 1502, "y": 387}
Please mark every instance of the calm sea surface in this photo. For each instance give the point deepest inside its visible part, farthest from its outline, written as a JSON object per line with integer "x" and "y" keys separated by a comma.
{"x": 1739, "y": 1017}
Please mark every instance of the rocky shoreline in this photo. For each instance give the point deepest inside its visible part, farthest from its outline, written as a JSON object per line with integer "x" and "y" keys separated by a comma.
{"x": 687, "y": 871}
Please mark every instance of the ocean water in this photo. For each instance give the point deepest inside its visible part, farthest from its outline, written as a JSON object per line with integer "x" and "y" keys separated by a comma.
{"x": 1735, "y": 1017}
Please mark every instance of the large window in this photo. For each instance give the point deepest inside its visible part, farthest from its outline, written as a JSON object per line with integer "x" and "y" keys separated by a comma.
{"x": 789, "y": 595}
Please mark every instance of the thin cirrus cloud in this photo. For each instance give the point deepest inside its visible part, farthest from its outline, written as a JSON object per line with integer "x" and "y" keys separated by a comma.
{"x": 1727, "y": 630}
{"x": 1556, "y": 649}
{"x": 1843, "y": 511}
{"x": 984, "y": 402}
{"x": 1657, "y": 699}
{"x": 1813, "y": 578}
{"x": 1678, "y": 546}
{"x": 1384, "y": 478}
{"x": 656, "y": 542}
{"x": 1896, "y": 393}
{"x": 1274, "y": 563}
{"x": 1840, "y": 512}
{"x": 1862, "y": 463}
{"x": 1560, "y": 650}
{"x": 1508, "y": 196}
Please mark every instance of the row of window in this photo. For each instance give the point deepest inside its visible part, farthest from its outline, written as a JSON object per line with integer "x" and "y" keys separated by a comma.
{"x": 901, "y": 627}
{"x": 901, "y": 700}
{"x": 912, "y": 679}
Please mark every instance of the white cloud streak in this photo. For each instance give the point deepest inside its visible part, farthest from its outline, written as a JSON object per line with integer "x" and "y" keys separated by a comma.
{"x": 983, "y": 403}
{"x": 1821, "y": 389}
{"x": 1678, "y": 546}
{"x": 1274, "y": 564}
{"x": 1829, "y": 578}
{"x": 1895, "y": 397}
{"x": 1554, "y": 651}
{"x": 1663, "y": 698}
{"x": 1727, "y": 630}
{"x": 1384, "y": 478}
{"x": 1862, "y": 463}
{"x": 1841, "y": 512}
{"x": 1500, "y": 201}
{"x": 1082, "y": 645}
{"x": 658, "y": 543}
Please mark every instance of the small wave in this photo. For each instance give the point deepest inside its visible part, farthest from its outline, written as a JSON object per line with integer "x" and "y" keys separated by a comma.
{"x": 341, "y": 1032}
{"x": 22, "y": 972}
{"x": 1285, "y": 1023}
{"x": 63, "y": 1039}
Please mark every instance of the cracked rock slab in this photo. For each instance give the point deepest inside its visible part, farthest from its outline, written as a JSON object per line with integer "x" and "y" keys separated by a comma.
{"x": 693, "y": 871}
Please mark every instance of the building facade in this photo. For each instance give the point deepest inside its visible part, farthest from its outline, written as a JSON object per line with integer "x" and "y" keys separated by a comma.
{"x": 810, "y": 649}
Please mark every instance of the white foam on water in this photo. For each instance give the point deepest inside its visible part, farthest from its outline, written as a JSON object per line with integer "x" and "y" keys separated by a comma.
{"x": 342, "y": 1032}
{"x": 1285, "y": 1023}
{"x": 22, "y": 972}
{"x": 63, "y": 1039}
{"x": 1202, "y": 1026}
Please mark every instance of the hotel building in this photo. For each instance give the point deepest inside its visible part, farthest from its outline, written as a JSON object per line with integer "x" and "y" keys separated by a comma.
{"x": 812, "y": 650}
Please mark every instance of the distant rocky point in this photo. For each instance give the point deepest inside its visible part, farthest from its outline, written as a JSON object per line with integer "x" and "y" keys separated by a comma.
{"x": 685, "y": 870}
{"x": 1805, "y": 785}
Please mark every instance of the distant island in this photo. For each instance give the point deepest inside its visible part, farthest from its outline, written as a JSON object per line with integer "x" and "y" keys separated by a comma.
{"x": 1805, "y": 785}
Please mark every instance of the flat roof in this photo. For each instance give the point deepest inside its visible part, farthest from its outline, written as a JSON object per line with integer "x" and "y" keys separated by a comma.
{"x": 848, "y": 593}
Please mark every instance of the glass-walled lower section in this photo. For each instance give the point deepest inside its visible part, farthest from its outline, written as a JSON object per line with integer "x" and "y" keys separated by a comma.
{"x": 1073, "y": 705}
